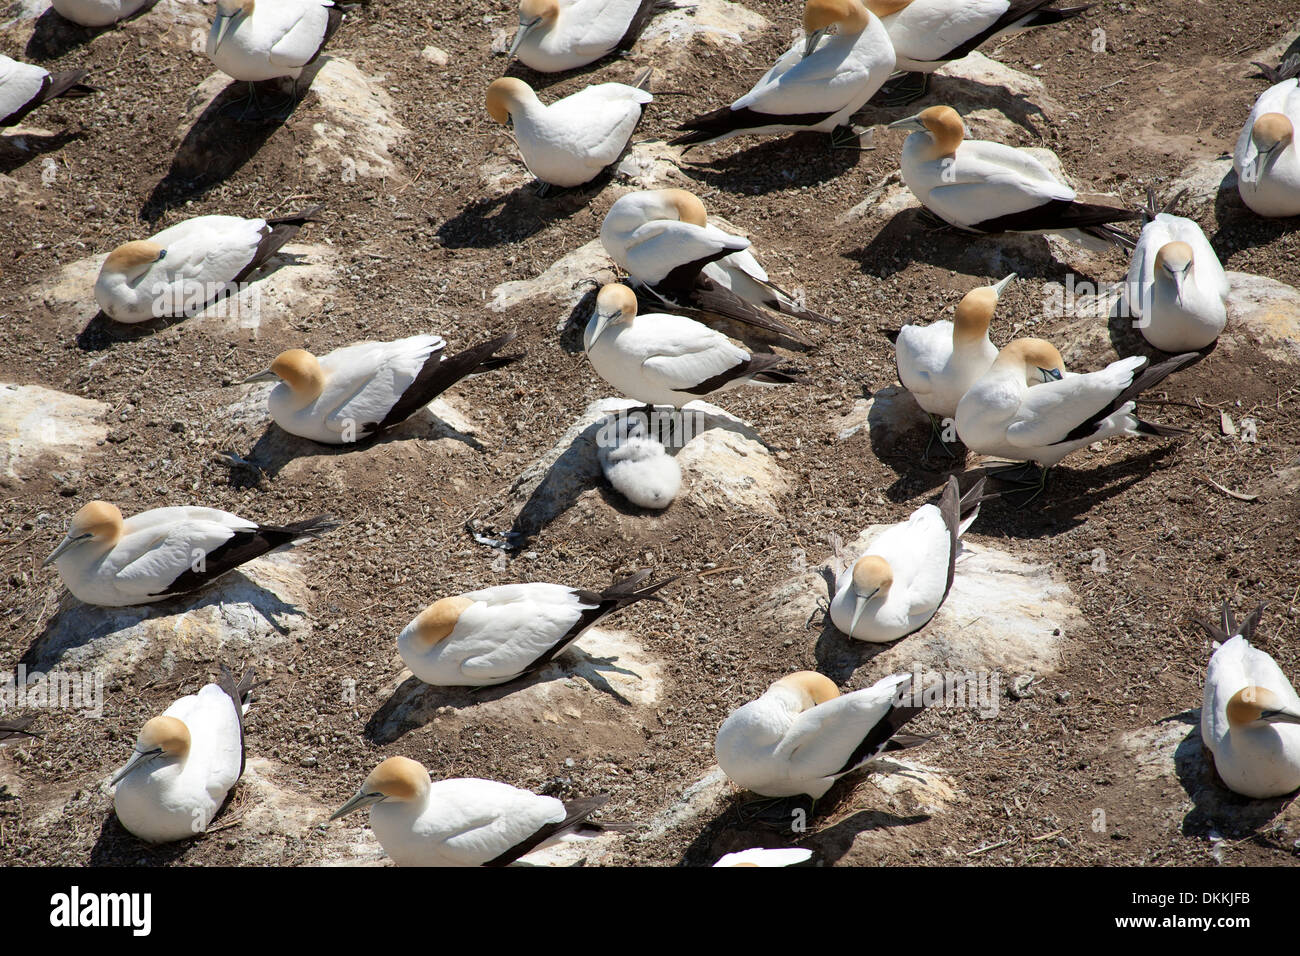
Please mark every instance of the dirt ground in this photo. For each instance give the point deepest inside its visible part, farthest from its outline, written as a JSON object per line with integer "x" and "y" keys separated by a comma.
{"x": 422, "y": 249}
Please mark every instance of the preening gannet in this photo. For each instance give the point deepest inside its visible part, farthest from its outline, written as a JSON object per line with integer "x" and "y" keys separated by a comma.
{"x": 96, "y": 13}
{"x": 1267, "y": 157}
{"x": 902, "y": 579}
{"x": 163, "y": 552}
{"x": 185, "y": 762}
{"x": 23, "y": 87}
{"x": 558, "y": 35}
{"x": 359, "y": 391}
{"x": 791, "y": 856}
{"x": 499, "y": 634}
{"x": 264, "y": 41}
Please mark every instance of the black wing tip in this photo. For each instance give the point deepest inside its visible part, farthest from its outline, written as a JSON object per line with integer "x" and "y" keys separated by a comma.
{"x": 309, "y": 527}
{"x": 630, "y": 589}
{"x": 299, "y": 218}
{"x": 17, "y": 728}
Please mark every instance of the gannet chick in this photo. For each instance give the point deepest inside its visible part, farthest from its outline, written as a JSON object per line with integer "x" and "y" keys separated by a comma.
{"x": 362, "y": 390}
{"x": 575, "y": 139}
{"x": 462, "y": 822}
{"x": 1249, "y": 714}
{"x": 160, "y": 553}
{"x": 17, "y": 729}
{"x": 187, "y": 267}
{"x": 96, "y": 13}
{"x": 790, "y": 856}
{"x": 499, "y": 634}
{"x": 1267, "y": 159}
{"x": 899, "y": 583}
{"x": 1177, "y": 290}
{"x": 665, "y": 359}
{"x": 23, "y": 87}
{"x": 558, "y": 35}
{"x": 986, "y": 187}
{"x": 185, "y": 762}
{"x": 640, "y": 468}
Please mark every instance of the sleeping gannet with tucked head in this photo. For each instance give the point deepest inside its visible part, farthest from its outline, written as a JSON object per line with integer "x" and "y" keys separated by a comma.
{"x": 1267, "y": 157}
{"x": 558, "y": 35}
{"x": 1177, "y": 290}
{"x": 575, "y": 139}
{"x": 816, "y": 85}
{"x": 988, "y": 187}
{"x": 96, "y": 13}
{"x": 663, "y": 359}
{"x": 186, "y": 267}
{"x": 791, "y": 856}
{"x": 23, "y": 87}
{"x": 904, "y": 576}
{"x": 267, "y": 40}
{"x": 499, "y": 634}
{"x": 361, "y": 390}
{"x": 1250, "y": 715}
{"x": 461, "y": 822}
{"x": 185, "y": 762}
{"x": 158, "y": 554}
{"x": 802, "y": 735}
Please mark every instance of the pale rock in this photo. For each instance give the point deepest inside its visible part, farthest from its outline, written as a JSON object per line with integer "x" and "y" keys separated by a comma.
{"x": 668, "y": 36}
{"x": 41, "y": 429}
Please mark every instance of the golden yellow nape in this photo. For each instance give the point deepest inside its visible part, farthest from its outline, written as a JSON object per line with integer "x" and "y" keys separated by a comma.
{"x": 530, "y": 10}
{"x": 398, "y": 778}
{"x": 1033, "y": 354}
{"x": 168, "y": 734}
{"x": 945, "y": 127}
{"x": 872, "y": 573}
{"x": 974, "y": 313}
{"x": 1271, "y": 130}
{"x": 817, "y": 688}
{"x": 617, "y": 297}
{"x": 850, "y": 15}
{"x": 133, "y": 255}
{"x": 1174, "y": 256}
{"x": 688, "y": 206}
{"x": 436, "y": 622}
{"x": 100, "y": 519}
{"x": 1249, "y": 704}
{"x": 502, "y": 94}
{"x": 301, "y": 371}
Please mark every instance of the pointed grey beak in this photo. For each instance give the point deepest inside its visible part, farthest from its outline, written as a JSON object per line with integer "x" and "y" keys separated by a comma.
{"x": 139, "y": 760}
{"x": 1050, "y": 374}
{"x": 1257, "y": 168}
{"x": 359, "y": 802}
{"x": 909, "y": 122}
{"x": 999, "y": 286}
{"x": 810, "y": 42}
{"x": 519, "y": 37}
{"x": 1282, "y": 716}
{"x": 859, "y": 606}
{"x": 221, "y": 27}
{"x": 603, "y": 320}
{"x": 67, "y": 543}
{"x": 263, "y": 376}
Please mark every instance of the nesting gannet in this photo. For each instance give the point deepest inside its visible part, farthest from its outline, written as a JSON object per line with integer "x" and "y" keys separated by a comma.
{"x": 1177, "y": 290}
{"x": 802, "y": 735}
{"x": 462, "y": 822}
{"x": 185, "y": 762}
{"x": 789, "y": 856}
{"x": 558, "y": 35}
{"x": 988, "y": 187}
{"x": 17, "y": 729}
{"x": 265, "y": 41}
{"x": 640, "y": 468}
{"x": 1249, "y": 714}
{"x": 663, "y": 359}
{"x": 499, "y": 634}
{"x": 816, "y": 85}
{"x": 96, "y": 13}
{"x": 1267, "y": 157}
{"x": 163, "y": 552}
{"x": 902, "y": 579}
{"x": 575, "y": 139}
{"x": 23, "y": 87}
{"x": 186, "y": 267}
{"x": 927, "y": 34}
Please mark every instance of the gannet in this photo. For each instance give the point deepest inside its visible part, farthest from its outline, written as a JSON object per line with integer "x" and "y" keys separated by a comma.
{"x": 927, "y": 34}
{"x": 23, "y": 87}
{"x": 1249, "y": 714}
{"x": 902, "y": 579}
{"x": 640, "y": 468}
{"x": 802, "y": 735}
{"x": 185, "y": 762}
{"x": 499, "y": 634}
{"x": 17, "y": 729}
{"x": 575, "y": 139}
{"x": 1177, "y": 291}
{"x": 361, "y": 390}
{"x": 96, "y": 13}
{"x": 663, "y": 359}
{"x": 789, "y": 856}
{"x": 816, "y": 85}
{"x": 163, "y": 552}
{"x": 462, "y": 822}
{"x": 558, "y": 35}
{"x": 988, "y": 187}
{"x": 186, "y": 267}
{"x": 256, "y": 42}
{"x": 1267, "y": 158}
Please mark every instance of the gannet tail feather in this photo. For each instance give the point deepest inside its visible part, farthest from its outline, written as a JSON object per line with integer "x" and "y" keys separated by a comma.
{"x": 244, "y": 546}
{"x": 719, "y": 308}
{"x": 68, "y": 83}
{"x": 1227, "y": 629}
{"x": 283, "y": 229}
{"x": 240, "y": 694}
{"x": 441, "y": 373}
{"x": 576, "y": 813}
{"x": 17, "y": 728}
{"x": 1147, "y": 378}
{"x": 877, "y": 738}
{"x": 720, "y": 122}
{"x": 1287, "y": 69}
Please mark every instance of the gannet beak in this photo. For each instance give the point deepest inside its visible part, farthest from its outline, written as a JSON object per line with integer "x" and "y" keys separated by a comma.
{"x": 859, "y": 606}
{"x": 359, "y": 802}
{"x": 264, "y": 376}
{"x": 138, "y": 760}
{"x": 811, "y": 40}
{"x": 221, "y": 27}
{"x": 910, "y": 122}
{"x": 519, "y": 37}
{"x": 67, "y": 543}
{"x": 1050, "y": 374}
{"x": 1178, "y": 278}
{"x": 999, "y": 286}
{"x": 1257, "y": 168}
{"x": 1280, "y": 716}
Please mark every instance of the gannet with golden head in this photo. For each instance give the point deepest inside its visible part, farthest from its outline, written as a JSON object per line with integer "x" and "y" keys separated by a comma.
{"x": 558, "y": 35}
{"x": 987, "y": 187}
{"x": 761, "y": 856}
{"x": 185, "y": 762}
{"x": 96, "y": 13}
{"x": 23, "y": 87}
{"x": 115, "y": 562}
{"x": 499, "y": 634}
{"x": 817, "y": 85}
{"x": 462, "y": 822}
{"x": 361, "y": 390}
{"x": 902, "y": 579}
{"x": 1250, "y": 715}
{"x": 186, "y": 267}
{"x": 1267, "y": 157}
{"x": 256, "y": 41}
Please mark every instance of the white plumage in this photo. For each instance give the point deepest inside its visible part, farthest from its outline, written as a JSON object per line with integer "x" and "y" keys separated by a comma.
{"x": 788, "y": 856}
{"x": 926, "y": 34}
{"x": 558, "y": 35}
{"x": 23, "y": 87}
{"x": 1267, "y": 157}
{"x": 642, "y": 471}
{"x": 96, "y": 13}
{"x": 263, "y": 41}
{"x": 1177, "y": 290}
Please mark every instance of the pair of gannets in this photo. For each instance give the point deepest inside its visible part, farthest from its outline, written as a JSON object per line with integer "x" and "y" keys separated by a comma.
{"x": 188, "y": 266}
{"x": 1267, "y": 157}
{"x": 987, "y": 187}
{"x": 96, "y": 13}
{"x": 23, "y": 87}
{"x": 1177, "y": 289}
{"x": 157, "y": 554}
{"x": 463, "y": 822}
{"x": 254, "y": 41}
{"x": 1250, "y": 713}
{"x": 902, "y": 579}
{"x": 558, "y": 35}
{"x": 575, "y": 139}
{"x": 663, "y": 359}
{"x": 185, "y": 762}
{"x": 362, "y": 390}
{"x": 499, "y": 634}
{"x": 816, "y": 85}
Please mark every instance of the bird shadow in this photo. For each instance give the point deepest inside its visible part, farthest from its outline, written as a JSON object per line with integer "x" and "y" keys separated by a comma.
{"x": 1239, "y": 228}
{"x": 116, "y": 845}
{"x": 53, "y": 35}
{"x": 965, "y": 96}
{"x": 19, "y": 149}
{"x": 803, "y": 159}
{"x": 492, "y": 221}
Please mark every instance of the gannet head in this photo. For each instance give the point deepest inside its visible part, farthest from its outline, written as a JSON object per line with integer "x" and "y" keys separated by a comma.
{"x": 399, "y": 779}
{"x": 506, "y": 93}
{"x": 532, "y": 14}
{"x": 97, "y": 521}
{"x": 811, "y": 687}
{"x": 228, "y": 16}
{"x": 872, "y": 577}
{"x": 1272, "y": 133}
{"x": 1256, "y": 706}
{"x": 133, "y": 259}
{"x": 820, "y": 15}
{"x": 614, "y": 304}
{"x": 975, "y": 311}
{"x": 1037, "y": 359}
{"x": 298, "y": 369}
{"x": 942, "y": 123}
{"x": 160, "y": 738}
{"x": 436, "y": 622}
{"x": 1174, "y": 262}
